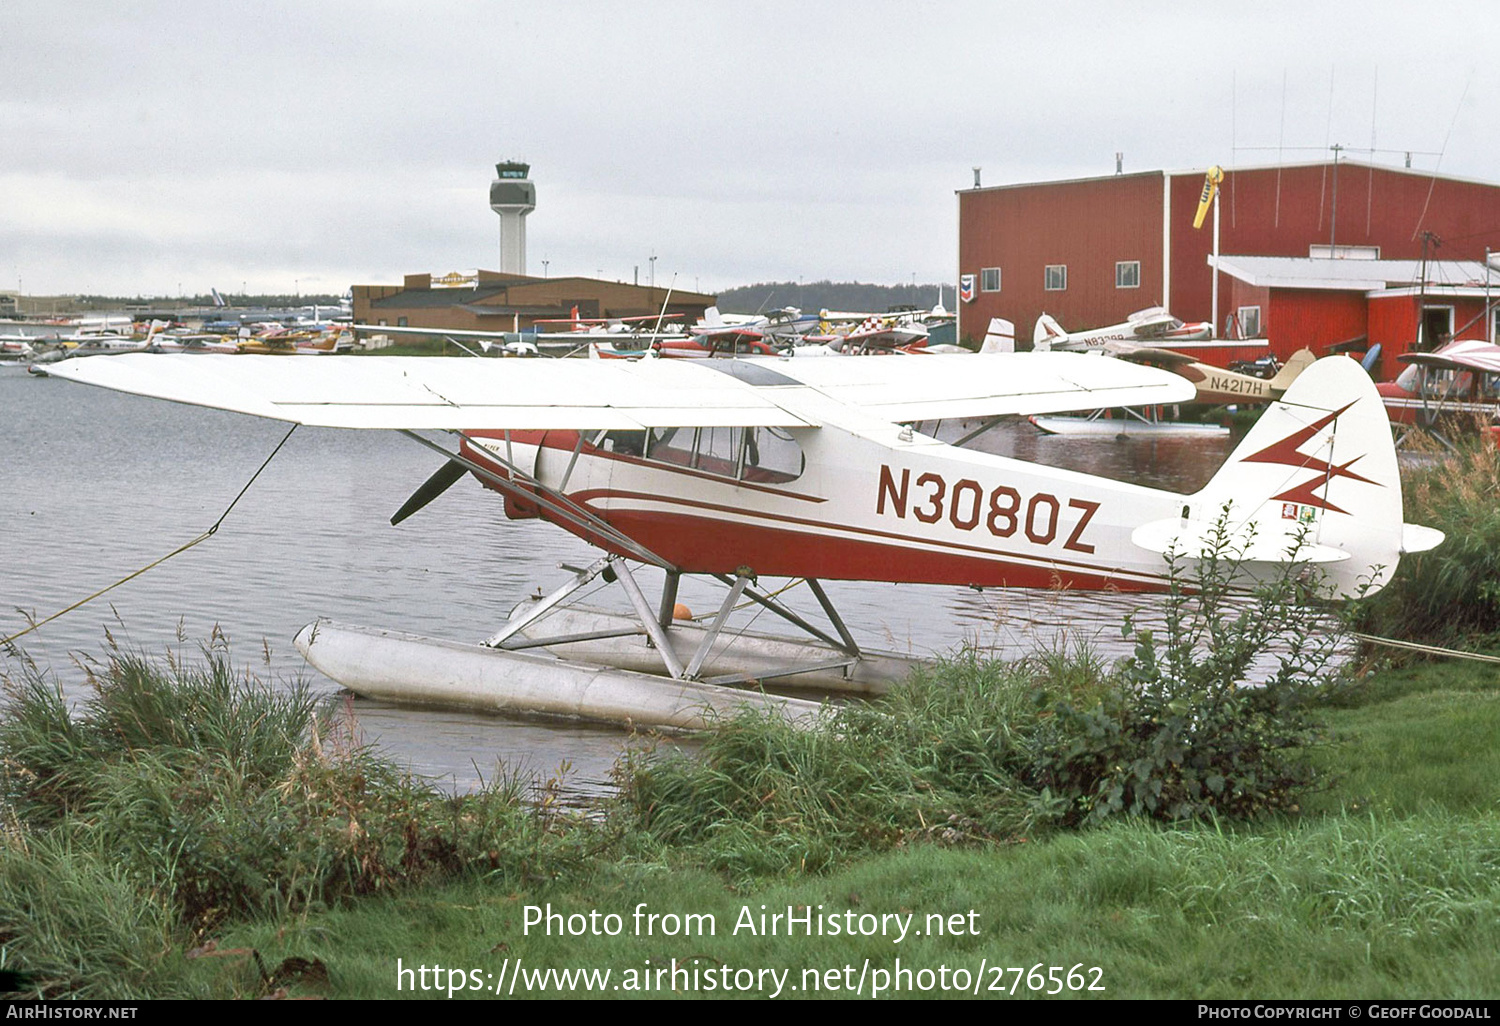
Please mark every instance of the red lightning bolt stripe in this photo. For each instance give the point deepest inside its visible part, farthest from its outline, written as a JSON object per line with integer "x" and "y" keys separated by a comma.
{"x": 1285, "y": 453}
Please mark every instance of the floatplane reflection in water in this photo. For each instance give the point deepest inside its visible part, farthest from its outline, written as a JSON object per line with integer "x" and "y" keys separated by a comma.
{"x": 740, "y": 469}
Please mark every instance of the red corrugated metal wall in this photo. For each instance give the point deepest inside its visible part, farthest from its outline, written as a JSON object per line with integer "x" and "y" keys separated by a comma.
{"x": 1086, "y": 225}
{"x": 1282, "y": 212}
{"x": 1314, "y": 318}
{"x": 1090, "y": 224}
{"x": 1393, "y": 325}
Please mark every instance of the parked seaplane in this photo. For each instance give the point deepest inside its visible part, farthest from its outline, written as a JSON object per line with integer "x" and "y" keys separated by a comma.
{"x": 1215, "y": 386}
{"x": 16, "y": 347}
{"x": 811, "y": 469}
{"x": 1456, "y": 388}
{"x": 1152, "y": 326}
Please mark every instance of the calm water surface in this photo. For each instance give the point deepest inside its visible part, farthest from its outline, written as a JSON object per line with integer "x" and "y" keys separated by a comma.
{"x": 96, "y": 484}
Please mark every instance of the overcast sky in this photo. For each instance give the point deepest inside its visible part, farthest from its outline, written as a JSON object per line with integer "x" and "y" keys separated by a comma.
{"x": 157, "y": 147}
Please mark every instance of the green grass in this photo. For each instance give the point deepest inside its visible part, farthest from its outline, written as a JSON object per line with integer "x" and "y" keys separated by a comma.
{"x": 1338, "y": 907}
{"x": 1450, "y": 594}
{"x": 1386, "y": 885}
{"x": 186, "y": 833}
{"x": 181, "y": 797}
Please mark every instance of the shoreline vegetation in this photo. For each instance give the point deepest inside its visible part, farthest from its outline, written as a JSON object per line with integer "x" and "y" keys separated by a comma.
{"x": 187, "y": 832}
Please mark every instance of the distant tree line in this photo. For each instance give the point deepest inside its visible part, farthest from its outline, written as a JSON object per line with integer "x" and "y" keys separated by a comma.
{"x": 94, "y": 302}
{"x": 831, "y": 295}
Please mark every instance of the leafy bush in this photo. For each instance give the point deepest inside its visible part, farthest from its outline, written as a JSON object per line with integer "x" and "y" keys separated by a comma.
{"x": 1211, "y": 719}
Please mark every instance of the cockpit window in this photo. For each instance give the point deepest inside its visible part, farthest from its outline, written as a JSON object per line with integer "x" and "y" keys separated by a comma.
{"x": 762, "y": 455}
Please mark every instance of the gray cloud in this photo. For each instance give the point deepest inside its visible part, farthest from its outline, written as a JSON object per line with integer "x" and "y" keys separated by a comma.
{"x": 333, "y": 143}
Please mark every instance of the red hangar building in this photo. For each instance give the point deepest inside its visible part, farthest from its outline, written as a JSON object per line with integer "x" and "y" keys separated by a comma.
{"x": 1091, "y": 251}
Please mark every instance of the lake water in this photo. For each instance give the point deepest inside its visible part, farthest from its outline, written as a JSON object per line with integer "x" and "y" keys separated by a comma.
{"x": 96, "y": 484}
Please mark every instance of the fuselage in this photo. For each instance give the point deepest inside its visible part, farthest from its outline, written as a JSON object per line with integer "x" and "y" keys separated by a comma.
{"x": 846, "y": 502}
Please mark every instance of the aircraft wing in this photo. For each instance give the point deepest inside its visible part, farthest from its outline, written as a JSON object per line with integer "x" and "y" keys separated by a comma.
{"x": 1145, "y": 354}
{"x": 446, "y": 393}
{"x": 379, "y": 329}
{"x": 1460, "y": 356}
{"x": 939, "y": 387}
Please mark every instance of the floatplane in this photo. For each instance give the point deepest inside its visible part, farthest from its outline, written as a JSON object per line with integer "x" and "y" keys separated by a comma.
{"x": 1152, "y": 325}
{"x": 1454, "y": 389}
{"x": 1215, "y": 386}
{"x": 739, "y": 470}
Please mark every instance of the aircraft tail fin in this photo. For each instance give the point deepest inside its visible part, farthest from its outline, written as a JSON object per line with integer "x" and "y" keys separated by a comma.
{"x": 1000, "y": 337}
{"x": 1315, "y": 481}
{"x": 1295, "y": 365}
{"x": 1046, "y": 332}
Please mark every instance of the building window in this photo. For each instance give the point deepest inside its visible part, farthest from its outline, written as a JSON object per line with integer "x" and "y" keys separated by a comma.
{"x": 1343, "y": 252}
{"x": 1249, "y": 321}
{"x": 989, "y": 279}
{"x": 1128, "y": 274}
{"x": 400, "y": 322}
{"x": 1055, "y": 278}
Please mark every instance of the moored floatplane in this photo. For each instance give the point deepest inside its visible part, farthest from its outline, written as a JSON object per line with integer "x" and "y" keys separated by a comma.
{"x": 1446, "y": 393}
{"x": 738, "y": 470}
{"x": 1127, "y": 423}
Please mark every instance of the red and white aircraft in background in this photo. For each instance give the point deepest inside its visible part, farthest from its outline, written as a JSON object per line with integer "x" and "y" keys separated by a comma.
{"x": 1152, "y": 326}
{"x": 817, "y": 469}
{"x": 1455, "y": 388}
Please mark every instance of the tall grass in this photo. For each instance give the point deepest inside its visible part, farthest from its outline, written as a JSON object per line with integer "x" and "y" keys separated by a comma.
{"x": 1452, "y": 592}
{"x": 939, "y": 761}
{"x": 178, "y": 797}
{"x": 987, "y": 752}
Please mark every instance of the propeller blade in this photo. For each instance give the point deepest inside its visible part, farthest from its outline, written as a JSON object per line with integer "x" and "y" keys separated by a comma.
{"x": 446, "y": 477}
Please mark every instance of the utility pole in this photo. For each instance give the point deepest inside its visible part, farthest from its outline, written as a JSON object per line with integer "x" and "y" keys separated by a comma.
{"x": 1334, "y": 220}
{"x": 1429, "y": 239}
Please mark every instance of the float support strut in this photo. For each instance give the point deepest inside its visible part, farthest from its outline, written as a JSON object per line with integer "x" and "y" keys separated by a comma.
{"x": 649, "y": 621}
{"x": 696, "y": 663}
{"x": 546, "y": 605}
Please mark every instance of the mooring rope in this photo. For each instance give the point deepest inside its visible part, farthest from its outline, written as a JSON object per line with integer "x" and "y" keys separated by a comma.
{"x": 1449, "y": 653}
{"x": 175, "y": 552}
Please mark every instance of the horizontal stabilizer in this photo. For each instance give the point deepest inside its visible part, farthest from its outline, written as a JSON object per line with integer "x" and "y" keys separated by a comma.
{"x": 1197, "y": 539}
{"x": 1416, "y": 538}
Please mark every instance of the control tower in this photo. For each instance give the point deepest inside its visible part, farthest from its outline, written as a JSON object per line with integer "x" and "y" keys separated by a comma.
{"x": 512, "y": 196}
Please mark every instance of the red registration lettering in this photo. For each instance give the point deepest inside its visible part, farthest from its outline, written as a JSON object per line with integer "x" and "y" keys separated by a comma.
{"x": 1042, "y": 535}
{"x": 935, "y": 500}
{"x": 965, "y": 506}
{"x": 1089, "y": 509}
{"x": 1005, "y": 503}
{"x": 969, "y": 520}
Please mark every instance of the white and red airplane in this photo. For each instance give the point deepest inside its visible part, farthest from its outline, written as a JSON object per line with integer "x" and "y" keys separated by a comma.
{"x": 1455, "y": 388}
{"x": 814, "y": 469}
{"x": 1152, "y": 326}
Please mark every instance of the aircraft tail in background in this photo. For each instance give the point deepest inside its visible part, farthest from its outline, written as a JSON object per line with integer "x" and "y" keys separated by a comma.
{"x": 1000, "y": 337}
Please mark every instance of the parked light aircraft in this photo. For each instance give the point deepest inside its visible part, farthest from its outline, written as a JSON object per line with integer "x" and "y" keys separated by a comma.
{"x": 804, "y": 468}
{"x": 1215, "y": 384}
{"x": 1153, "y": 325}
{"x": 1456, "y": 388}
{"x": 811, "y": 469}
